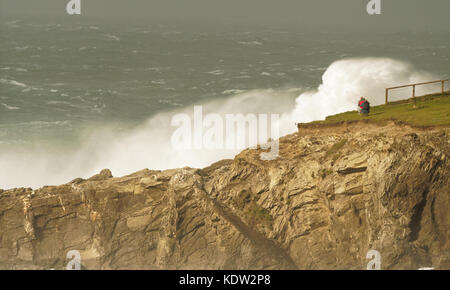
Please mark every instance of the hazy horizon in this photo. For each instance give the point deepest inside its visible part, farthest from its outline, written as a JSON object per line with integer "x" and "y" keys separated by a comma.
{"x": 414, "y": 15}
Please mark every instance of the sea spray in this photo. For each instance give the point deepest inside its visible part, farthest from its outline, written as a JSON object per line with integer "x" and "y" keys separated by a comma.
{"x": 345, "y": 81}
{"x": 149, "y": 145}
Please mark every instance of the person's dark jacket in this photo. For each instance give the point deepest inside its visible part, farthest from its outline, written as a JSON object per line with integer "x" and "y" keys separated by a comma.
{"x": 364, "y": 106}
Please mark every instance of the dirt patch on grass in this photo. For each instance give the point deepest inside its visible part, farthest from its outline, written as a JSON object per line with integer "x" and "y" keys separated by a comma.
{"x": 389, "y": 127}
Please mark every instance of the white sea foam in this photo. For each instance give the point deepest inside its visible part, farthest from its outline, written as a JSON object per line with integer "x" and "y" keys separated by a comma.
{"x": 12, "y": 82}
{"x": 60, "y": 103}
{"x": 41, "y": 124}
{"x": 251, "y": 43}
{"x": 216, "y": 72}
{"x": 149, "y": 145}
{"x": 233, "y": 91}
{"x": 10, "y": 107}
{"x": 112, "y": 37}
{"x": 346, "y": 80}
{"x": 159, "y": 82}
{"x": 21, "y": 48}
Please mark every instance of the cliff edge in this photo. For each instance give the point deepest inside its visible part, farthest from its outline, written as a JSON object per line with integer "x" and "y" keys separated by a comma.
{"x": 333, "y": 194}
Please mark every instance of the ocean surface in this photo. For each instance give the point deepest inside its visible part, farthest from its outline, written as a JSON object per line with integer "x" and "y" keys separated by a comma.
{"x": 63, "y": 82}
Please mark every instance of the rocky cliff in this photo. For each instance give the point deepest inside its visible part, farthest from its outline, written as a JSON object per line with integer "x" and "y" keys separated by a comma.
{"x": 333, "y": 194}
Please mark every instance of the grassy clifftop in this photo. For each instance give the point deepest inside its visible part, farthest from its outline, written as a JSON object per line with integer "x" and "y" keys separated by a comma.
{"x": 430, "y": 110}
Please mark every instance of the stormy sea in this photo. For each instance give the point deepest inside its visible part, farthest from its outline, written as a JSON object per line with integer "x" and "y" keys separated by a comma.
{"x": 79, "y": 96}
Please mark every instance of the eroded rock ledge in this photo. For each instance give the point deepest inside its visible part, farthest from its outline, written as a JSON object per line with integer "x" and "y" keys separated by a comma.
{"x": 326, "y": 201}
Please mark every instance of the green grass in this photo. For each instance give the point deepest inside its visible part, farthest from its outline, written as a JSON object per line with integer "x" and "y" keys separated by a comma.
{"x": 260, "y": 215}
{"x": 431, "y": 110}
{"x": 245, "y": 201}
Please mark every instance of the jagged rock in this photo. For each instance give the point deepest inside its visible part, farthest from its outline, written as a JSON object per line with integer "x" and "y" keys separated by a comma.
{"x": 317, "y": 206}
{"x": 104, "y": 174}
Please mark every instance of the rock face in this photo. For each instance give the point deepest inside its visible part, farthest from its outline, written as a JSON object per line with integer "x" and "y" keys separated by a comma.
{"x": 332, "y": 195}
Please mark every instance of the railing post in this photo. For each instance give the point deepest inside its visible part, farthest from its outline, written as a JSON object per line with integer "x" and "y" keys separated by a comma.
{"x": 387, "y": 92}
{"x": 442, "y": 86}
{"x": 414, "y": 94}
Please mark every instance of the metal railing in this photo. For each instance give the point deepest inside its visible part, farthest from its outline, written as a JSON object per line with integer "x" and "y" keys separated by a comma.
{"x": 414, "y": 88}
